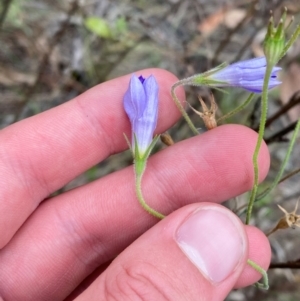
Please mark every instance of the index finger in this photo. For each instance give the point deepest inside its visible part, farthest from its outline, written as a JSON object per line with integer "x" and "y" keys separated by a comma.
{"x": 41, "y": 154}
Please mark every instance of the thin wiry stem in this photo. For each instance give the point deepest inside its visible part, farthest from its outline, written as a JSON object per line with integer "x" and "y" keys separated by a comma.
{"x": 290, "y": 42}
{"x": 256, "y": 267}
{"x": 138, "y": 188}
{"x": 238, "y": 109}
{"x": 180, "y": 107}
{"x": 283, "y": 165}
{"x": 263, "y": 119}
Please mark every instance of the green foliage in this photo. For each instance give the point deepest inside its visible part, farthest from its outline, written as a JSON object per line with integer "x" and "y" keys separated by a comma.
{"x": 98, "y": 26}
{"x": 101, "y": 28}
{"x": 14, "y": 15}
{"x": 121, "y": 25}
{"x": 92, "y": 173}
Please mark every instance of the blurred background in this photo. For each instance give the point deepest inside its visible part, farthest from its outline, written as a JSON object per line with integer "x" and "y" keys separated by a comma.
{"x": 52, "y": 51}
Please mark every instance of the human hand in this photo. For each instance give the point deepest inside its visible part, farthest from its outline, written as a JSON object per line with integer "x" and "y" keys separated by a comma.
{"x": 52, "y": 250}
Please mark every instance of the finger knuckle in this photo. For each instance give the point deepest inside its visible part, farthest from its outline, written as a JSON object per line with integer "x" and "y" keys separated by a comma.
{"x": 140, "y": 282}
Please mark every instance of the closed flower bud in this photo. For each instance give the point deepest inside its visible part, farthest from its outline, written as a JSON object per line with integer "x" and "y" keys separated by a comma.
{"x": 248, "y": 75}
{"x": 141, "y": 105}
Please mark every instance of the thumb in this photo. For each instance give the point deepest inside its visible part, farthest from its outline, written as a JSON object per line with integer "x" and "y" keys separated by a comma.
{"x": 199, "y": 251}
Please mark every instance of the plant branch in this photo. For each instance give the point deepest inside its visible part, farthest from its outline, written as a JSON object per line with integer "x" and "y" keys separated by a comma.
{"x": 285, "y": 265}
{"x": 289, "y": 175}
{"x": 278, "y": 137}
{"x": 293, "y": 101}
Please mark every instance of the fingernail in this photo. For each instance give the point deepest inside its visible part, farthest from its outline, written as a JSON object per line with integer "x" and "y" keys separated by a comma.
{"x": 214, "y": 242}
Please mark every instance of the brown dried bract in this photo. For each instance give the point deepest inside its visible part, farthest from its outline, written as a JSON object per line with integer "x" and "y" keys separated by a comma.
{"x": 290, "y": 220}
{"x": 208, "y": 115}
{"x": 166, "y": 139}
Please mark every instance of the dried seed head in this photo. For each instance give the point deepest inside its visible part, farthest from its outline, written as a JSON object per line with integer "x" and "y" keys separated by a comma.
{"x": 208, "y": 115}
{"x": 290, "y": 220}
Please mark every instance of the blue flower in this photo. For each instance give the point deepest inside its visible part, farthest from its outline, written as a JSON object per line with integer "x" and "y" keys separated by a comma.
{"x": 141, "y": 105}
{"x": 248, "y": 75}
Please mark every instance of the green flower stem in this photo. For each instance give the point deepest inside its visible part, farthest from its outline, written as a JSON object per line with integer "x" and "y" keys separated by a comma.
{"x": 256, "y": 267}
{"x": 238, "y": 109}
{"x": 140, "y": 166}
{"x": 263, "y": 119}
{"x": 283, "y": 165}
{"x": 179, "y": 105}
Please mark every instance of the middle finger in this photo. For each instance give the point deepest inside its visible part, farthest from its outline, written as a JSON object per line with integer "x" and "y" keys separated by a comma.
{"x": 70, "y": 235}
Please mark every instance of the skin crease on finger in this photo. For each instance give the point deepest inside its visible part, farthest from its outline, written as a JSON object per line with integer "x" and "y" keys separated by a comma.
{"x": 259, "y": 252}
{"x": 70, "y": 235}
{"x": 84, "y": 131}
{"x": 151, "y": 260}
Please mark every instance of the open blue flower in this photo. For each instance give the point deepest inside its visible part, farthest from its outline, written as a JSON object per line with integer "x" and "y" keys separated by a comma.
{"x": 248, "y": 75}
{"x": 141, "y": 105}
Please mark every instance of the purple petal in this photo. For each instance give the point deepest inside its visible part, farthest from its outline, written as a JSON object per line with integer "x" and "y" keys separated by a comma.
{"x": 247, "y": 74}
{"x": 257, "y": 86}
{"x": 141, "y": 105}
{"x": 274, "y": 71}
{"x": 146, "y": 124}
{"x": 134, "y": 99}
{"x": 151, "y": 90}
{"x": 229, "y": 75}
{"x": 252, "y": 63}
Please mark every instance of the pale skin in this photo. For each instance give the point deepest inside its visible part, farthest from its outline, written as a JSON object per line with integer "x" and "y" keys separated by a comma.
{"x": 53, "y": 250}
